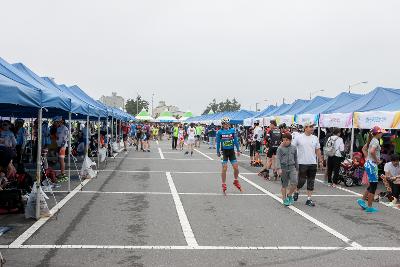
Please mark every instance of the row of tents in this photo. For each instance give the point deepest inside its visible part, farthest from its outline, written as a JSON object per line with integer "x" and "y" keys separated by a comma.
{"x": 380, "y": 107}
{"x": 23, "y": 93}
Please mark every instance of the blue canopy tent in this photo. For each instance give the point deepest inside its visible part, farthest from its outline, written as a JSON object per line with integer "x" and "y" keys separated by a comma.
{"x": 78, "y": 107}
{"x": 53, "y": 102}
{"x": 200, "y": 118}
{"x": 278, "y": 110}
{"x": 332, "y": 105}
{"x": 18, "y": 100}
{"x": 394, "y": 106}
{"x": 238, "y": 117}
{"x": 266, "y": 111}
{"x": 377, "y": 98}
{"x": 101, "y": 110}
{"x": 316, "y": 102}
{"x": 292, "y": 108}
{"x": 311, "y": 113}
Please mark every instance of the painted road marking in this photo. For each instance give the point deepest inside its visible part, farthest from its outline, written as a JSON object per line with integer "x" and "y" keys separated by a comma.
{"x": 166, "y": 158}
{"x": 198, "y": 247}
{"x": 39, "y": 223}
{"x": 305, "y": 215}
{"x": 198, "y": 151}
{"x": 190, "y": 193}
{"x": 175, "y": 172}
{"x": 186, "y": 228}
{"x": 161, "y": 154}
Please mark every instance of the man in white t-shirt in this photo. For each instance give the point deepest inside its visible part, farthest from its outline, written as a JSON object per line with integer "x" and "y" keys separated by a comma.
{"x": 191, "y": 139}
{"x": 308, "y": 150}
{"x": 392, "y": 173}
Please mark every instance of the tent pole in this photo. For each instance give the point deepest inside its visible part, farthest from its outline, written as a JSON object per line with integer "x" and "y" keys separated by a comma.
{"x": 69, "y": 151}
{"x": 116, "y": 131}
{"x": 87, "y": 136}
{"x": 98, "y": 143}
{"x": 31, "y": 152}
{"x": 352, "y": 136}
{"x": 108, "y": 141}
{"x": 38, "y": 162}
{"x": 112, "y": 129}
{"x": 120, "y": 129}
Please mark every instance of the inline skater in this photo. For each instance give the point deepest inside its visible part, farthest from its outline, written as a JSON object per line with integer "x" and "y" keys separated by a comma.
{"x": 226, "y": 142}
{"x": 274, "y": 141}
{"x": 191, "y": 139}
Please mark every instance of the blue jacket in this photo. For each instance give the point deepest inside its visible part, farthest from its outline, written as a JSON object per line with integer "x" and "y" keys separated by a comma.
{"x": 227, "y": 139}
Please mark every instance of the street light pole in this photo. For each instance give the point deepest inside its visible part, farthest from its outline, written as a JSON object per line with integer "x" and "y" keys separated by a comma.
{"x": 352, "y": 85}
{"x": 257, "y": 106}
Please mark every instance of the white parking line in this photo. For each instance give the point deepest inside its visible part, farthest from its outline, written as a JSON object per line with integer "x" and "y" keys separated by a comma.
{"x": 161, "y": 154}
{"x": 305, "y": 215}
{"x": 189, "y": 193}
{"x": 39, "y": 223}
{"x": 198, "y": 247}
{"x": 186, "y": 228}
{"x": 165, "y": 158}
{"x": 198, "y": 151}
{"x": 178, "y": 172}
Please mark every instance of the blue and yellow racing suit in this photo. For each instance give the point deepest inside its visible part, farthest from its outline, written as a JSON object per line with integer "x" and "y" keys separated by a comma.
{"x": 226, "y": 142}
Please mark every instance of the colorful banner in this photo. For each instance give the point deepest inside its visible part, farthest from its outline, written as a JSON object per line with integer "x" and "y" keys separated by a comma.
{"x": 383, "y": 119}
{"x": 306, "y": 118}
{"x": 286, "y": 119}
{"x": 338, "y": 120}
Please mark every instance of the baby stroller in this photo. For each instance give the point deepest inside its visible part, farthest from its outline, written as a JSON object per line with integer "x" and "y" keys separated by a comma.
{"x": 352, "y": 170}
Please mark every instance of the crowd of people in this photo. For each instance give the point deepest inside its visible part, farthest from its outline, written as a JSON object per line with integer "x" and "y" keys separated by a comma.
{"x": 292, "y": 153}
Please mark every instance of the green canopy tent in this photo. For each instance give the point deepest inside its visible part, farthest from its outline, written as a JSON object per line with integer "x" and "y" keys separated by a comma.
{"x": 166, "y": 116}
{"x": 144, "y": 116}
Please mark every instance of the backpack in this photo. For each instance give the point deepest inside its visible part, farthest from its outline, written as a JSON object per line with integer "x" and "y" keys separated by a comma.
{"x": 330, "y": 149}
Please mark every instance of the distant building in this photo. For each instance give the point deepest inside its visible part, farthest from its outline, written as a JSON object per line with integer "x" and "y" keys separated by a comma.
{"x": 161, "y": 107}
{"x": 114, "y": 101}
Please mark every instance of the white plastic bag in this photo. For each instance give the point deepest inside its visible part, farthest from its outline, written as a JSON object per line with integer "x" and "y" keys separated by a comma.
{"x": 102, "y": 154}
{"x": 87, "y": 170}
{"x": 30, "y": 209}
{"x": 115, "y": 147}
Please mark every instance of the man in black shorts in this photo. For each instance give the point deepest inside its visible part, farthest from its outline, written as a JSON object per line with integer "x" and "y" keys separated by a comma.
{"x": 308, "y": 151}
{"x": 274, "y": 140}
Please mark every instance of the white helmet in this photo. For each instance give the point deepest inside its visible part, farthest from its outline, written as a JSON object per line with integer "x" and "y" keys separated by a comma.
{"x": 225, "y": 120}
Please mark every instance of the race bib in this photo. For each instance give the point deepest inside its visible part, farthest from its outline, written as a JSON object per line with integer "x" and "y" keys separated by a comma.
{"x": 227, "y": 143}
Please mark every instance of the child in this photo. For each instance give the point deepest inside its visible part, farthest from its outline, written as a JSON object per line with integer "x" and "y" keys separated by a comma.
{"x": 392, "y": 174}
{"x": 287, "y": 166}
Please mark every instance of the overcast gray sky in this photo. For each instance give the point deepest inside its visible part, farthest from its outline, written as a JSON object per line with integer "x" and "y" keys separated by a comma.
{"x": 188, "y": 52}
